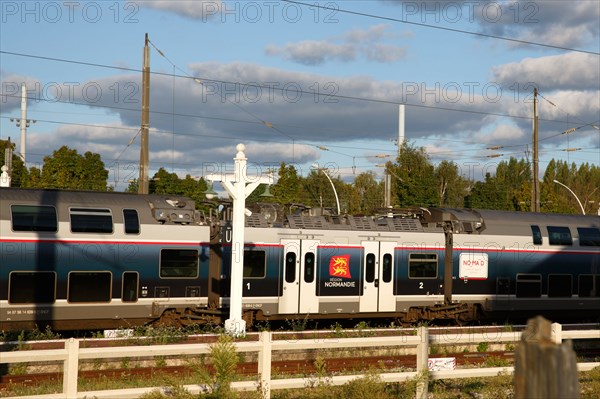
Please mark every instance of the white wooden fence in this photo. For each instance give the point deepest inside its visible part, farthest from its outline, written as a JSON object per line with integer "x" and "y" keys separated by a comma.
{"x": 266, "y": 345}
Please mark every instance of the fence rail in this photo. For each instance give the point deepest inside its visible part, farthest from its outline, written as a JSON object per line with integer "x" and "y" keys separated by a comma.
{"x": 420, "y": 339}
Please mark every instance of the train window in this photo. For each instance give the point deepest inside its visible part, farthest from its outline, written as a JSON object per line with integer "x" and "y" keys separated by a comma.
{"x": 89, "y": 287}
{"x": 255, "y": 264}
{"x": 32, "y": 287}
{"x": 370, "y": 268}
{"x": 179, "y": 263}
{"x": 422, "y": 265}
{"x": 290, "y": 267}
{"x": 589, "y": 285}
{"x": 529, "y": 285}
{"x": 91, "y": 220}
{"x": 589, "y": 236}
{"x": 387, "y": 268}
{"x": 131, "y": 221}
{"x": 130, "y": 287}
{"x": 560, "y": 285}
{"x": 309, "y": 267}
{"x": 34, "y": 218}
{"x": 558, "y": 235}
{"x": 537, "y": 235}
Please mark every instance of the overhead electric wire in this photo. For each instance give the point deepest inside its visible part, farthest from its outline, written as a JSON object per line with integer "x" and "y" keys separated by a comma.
{"x": 444, "y": 28}
{"x": 257, "y": 119}
{"x": 299, "y": 91}
{"x": 199, "y": 81}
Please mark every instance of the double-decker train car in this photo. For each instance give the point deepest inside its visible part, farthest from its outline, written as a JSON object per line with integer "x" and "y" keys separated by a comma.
{"x": 76, "y": 260}
{"x": 461, "y": 265}
{"x": 82, "y": 260}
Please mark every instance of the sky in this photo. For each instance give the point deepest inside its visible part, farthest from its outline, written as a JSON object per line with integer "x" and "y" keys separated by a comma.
{"x": 305, "y": 83}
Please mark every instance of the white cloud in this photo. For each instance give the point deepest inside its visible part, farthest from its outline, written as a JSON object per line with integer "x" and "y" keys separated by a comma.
{"x": 560, "y": 23}
{"x": 351, "y": 45}
{"x": 311, "y": 52}
{"x": 197, "y": 9}
{"x": 565, "y": 71}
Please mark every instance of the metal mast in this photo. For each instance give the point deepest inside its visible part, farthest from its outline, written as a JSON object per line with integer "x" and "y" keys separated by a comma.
{"x": 143, "y": 183}
{"x": 535, "y": 191}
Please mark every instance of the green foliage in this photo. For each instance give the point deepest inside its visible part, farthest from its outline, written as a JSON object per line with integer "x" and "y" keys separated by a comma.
{"x": 483, "y": 347}
{"x": 496, "y": 361}
{"x": 590, "y": 383}
{"x": 508, "y": 189}
{"x": 451, "y": 187}
{"x": 288, "y": 188}
{"x": 67, "y": 169}
{"x": 366, "y": 195}
{"x": 413, "y": 178}
{"x": 224, "y": 363}
{"x": 583, "y": 181}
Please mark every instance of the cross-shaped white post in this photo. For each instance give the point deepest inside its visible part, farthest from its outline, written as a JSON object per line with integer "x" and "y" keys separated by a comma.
{"x": 239, "y": 187}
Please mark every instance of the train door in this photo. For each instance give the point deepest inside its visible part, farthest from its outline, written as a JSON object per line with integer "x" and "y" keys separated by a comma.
{"x": 376, "y": 277}
{"x": 298, "y": 293}
{"x": 290, "y": 292}
{"x": 387, "y": 302}
{"x": 309, "y": 303}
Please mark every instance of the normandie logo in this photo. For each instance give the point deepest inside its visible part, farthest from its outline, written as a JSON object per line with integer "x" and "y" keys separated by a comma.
{"x": 339, "y": 266}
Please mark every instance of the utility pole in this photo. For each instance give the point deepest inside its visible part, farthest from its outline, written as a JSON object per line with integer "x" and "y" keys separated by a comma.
{"x": 143, "y": 181}
{"x": 401, "y": 132}
{"x": 23, "y": 123}
{"x": 535, "y": 191}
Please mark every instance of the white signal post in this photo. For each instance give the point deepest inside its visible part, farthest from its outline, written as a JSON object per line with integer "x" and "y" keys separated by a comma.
{"x": 239, "y": 187}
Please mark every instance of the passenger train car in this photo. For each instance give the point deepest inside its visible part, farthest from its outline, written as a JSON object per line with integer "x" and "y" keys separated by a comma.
{"x": 98, "y": 260}
{"x": 77, "y": 260}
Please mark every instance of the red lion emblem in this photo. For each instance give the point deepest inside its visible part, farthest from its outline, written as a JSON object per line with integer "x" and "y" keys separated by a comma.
{"x": 339, "y": 266}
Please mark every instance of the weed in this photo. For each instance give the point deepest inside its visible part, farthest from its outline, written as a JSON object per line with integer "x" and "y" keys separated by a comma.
{"x": 496, "y": 361}
{"x": 297, "y": 324}
{"x": 483, "y": 347}
{"x": 364, "y": 329}
{"x": 338, "y": 330}
{"x": 125, "y": 363}
{"x": 161, "y": 361}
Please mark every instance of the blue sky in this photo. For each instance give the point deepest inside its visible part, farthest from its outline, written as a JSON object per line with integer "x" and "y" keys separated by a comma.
{"x": 466, "y": 87}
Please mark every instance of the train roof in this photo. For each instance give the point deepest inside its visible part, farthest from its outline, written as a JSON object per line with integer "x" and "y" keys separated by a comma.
{"x": 504, "y": 222}
{"x": 155, "y": 203}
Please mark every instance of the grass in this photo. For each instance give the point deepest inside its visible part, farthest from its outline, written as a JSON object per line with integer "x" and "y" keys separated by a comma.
{"x": 369, "y": 386}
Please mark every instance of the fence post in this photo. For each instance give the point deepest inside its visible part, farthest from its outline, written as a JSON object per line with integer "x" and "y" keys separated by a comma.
{"x": 71, "y": 369}
{"x": 543, "y": 368}
{"x": 264, "y": 363}
{"x": 556, "y": 333}
{"x": 422, "y": 363}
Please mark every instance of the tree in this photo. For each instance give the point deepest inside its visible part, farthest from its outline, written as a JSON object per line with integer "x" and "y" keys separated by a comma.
{"x": 413, "y": 178}
{"x": 288, "y": 186}
{"x": 509, "y": 189}
{"x": 365, "y": 195}
{"x": 583, "y": 181}
{"x": 66, "y": 169}
{"x": 451, "y": 187}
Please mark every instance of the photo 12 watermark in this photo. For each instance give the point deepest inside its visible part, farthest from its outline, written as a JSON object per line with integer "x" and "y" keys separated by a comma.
{"x": 54, "y": 12}
{"x": 428, "y": 12}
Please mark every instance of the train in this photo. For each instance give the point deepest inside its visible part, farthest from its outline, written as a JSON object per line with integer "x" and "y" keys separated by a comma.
{"x": 76, "y": 260}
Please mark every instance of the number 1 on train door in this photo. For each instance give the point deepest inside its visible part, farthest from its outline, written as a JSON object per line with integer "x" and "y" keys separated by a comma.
{"x": 289, "y": 272}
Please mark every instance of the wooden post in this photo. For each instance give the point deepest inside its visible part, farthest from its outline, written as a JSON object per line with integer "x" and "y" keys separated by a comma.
{"x": 71, "y": 369}
{"x": 543, "y": 368}
{"x": 422, "y": 363}
{"x": 264, "y": 363}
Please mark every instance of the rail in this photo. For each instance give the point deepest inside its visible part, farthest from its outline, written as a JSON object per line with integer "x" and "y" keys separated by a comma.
{"x": 421, "y": 339}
